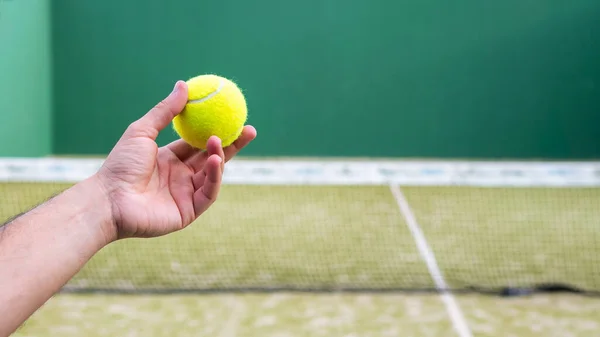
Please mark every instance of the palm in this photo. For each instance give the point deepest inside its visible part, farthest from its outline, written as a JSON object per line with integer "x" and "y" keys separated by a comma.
{"x": 159, "y": 191}
{"x": 159, "y": 200}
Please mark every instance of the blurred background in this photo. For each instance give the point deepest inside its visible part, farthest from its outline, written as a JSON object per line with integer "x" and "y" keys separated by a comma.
{"x": 509, "y": 79}
{"x": 406, "y": 150}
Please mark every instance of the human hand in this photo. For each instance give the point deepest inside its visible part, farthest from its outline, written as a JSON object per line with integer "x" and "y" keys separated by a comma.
{"x": 155, "y": 191}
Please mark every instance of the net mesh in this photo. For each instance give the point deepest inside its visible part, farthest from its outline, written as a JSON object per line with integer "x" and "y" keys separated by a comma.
{"x": 354, "y": 225}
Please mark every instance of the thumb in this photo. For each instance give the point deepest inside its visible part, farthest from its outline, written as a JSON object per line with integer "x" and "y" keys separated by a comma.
{"x": 162, "y": 113}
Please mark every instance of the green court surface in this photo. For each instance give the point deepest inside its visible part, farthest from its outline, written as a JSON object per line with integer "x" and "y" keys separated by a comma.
{"x": 328, "y": 237}
{"x": 327, "y": 315}
{"x": 493, "y": 237}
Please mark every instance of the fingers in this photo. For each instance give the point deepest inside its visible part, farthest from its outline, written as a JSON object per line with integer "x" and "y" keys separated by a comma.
{"x": 213, "y": 148}
{"x": 196, "y": 162}
{"x": 162, "y": 114}
{"x": 248, "y": 135}
{"x": 206, "y": 195}
{"x": 182, "y": 149}
{"x": 210, "y": 165}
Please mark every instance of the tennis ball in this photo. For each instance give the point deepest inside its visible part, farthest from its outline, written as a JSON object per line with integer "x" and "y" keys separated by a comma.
{"x": 215, "y": 107}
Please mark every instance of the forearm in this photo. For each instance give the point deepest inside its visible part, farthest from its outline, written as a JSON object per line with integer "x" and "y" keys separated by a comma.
{"x": 44, "y": 248}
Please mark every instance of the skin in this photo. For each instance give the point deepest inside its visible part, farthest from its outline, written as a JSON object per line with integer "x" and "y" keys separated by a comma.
{"x": 141, "y": 191}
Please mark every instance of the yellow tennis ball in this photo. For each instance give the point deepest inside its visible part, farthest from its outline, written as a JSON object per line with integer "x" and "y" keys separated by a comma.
{"x": 215, "y": 107}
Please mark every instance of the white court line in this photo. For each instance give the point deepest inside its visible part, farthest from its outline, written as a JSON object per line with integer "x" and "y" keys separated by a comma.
{"x": 456, "y": 314}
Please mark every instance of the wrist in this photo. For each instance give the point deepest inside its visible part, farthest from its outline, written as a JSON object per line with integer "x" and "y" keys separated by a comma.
{"x": 99, "y": 209}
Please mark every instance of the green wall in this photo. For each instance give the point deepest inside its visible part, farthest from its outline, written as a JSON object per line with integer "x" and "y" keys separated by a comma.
{"x": 25, "y": 91}
{"x": 422, "y": 78}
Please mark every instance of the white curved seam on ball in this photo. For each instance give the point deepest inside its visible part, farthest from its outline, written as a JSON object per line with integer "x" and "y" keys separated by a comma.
{"x": 209, "y": 96}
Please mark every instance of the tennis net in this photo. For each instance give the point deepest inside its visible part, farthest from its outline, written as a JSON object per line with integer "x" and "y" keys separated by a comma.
{"x": 354, "y": 225}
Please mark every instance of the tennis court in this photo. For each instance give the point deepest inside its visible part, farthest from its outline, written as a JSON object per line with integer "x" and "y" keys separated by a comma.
{"x": 285, "y": 314}
{"x": 345, "y": 248}
{"x": 421, "y": 168}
